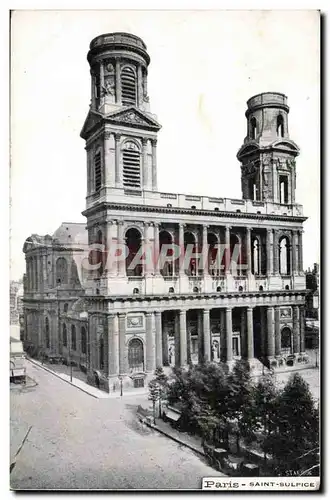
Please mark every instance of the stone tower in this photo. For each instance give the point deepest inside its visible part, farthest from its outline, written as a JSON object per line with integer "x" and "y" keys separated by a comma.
{"x": 268, "y": 167}
{"x": 120, "y": 132}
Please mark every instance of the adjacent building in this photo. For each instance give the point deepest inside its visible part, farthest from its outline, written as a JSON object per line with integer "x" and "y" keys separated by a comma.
{"x": 120, "y": 321}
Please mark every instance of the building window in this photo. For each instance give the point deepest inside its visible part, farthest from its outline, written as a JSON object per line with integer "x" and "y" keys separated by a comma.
{"x": 61, "y": 271}
{"x": 83, "y": 340}
{"x": 171, "y": 290}
{"x": 261, "y": 288}
{"x": 284, "y": 256}
{"x": 195, "y": 289}
{"x": 135, "y": 356}
{"x": 65, "y": 335}
{"x": 131, "y": 165}
{"x": 128, "y": 86}
{"x": 280, "y": 126}
{"x": 73, "y": 338}
{"x": 286, "y": 341}
{"x": 47, "y": 337}
{"x": 66, "y": 307}
{"x": 218, "y": 288}
{"x": 253, "y": 128}
{"x": 133, "y": 242}
{"x": 138, "y": 383}
{"x": 255, "y": 257}
{"x": 97, "y": 171}
{"x": 284, "y": 185}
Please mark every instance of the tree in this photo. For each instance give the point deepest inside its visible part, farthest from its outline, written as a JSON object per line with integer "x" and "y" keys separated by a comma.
{"x": 153, "y": 396}
{"x": 295, "y": 443}
{"x": 162, "y": 380}
{"x": 240, "y": 401}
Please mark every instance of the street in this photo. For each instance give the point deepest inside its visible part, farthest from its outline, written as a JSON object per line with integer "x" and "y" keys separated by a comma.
{"x": 79, "y": 442}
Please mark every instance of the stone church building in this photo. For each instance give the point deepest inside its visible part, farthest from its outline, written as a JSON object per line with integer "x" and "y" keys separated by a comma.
{"x": 119, "y": 322}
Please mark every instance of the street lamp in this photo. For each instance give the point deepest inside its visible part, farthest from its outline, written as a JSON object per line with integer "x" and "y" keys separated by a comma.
{"x": 121, "y": 385}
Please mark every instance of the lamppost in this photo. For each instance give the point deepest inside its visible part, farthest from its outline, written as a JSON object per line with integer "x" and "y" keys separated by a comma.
{"x": 58, "y": 318}
{"x": 70, "y": 360}
{"x": 121, "y": 385}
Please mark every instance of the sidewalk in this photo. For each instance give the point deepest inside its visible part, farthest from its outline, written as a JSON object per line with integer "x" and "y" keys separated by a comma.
{"x": 182, "y": 438}
{"x": 84, "y": 386}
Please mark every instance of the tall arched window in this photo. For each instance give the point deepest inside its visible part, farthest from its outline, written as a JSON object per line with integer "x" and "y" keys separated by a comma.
{"x": 190, "y": 249}
{"x": 280, "y": 126}
{"x": 135, "y": 356}
{"x": 286, "y": 340}
{"x": 47, "y": 336}
{"x": 65, "y": 335}
{"x": 128, "y": 86}
{"x": 133, "y": 242}
{"x": 167, "y": 265}
{"x": 131, "y": 165}
{"x": 284, "y": 257}
{"x": 83, "y": 340}
{"x": 97, "y": 171}
{"x": 253, "y": 128}
{"x": 73, "y": 338}
{"x": 284, "y": 189}
{"x": 255, "y": 256}
{"x": 61, "y": 271}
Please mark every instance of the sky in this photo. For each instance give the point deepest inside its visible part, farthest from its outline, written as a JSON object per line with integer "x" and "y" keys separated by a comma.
{"x": 204, "y": 67}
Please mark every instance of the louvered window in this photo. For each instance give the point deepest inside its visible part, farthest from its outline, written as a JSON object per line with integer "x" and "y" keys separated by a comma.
{"x": 128, "y": 86}
{"x": 131, "y": 165}
{"x": 97, "y": 171}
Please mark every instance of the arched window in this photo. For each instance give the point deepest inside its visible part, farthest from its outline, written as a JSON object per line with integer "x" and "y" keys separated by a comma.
{"x": 47, "y": 336}
{"x": 240, "y": 289}
{"x": 286, "y": 340}
{"x": 261, "y": 288}
{"x": 128, "y": 86}
{"x": 284, "y": 189}
{"x": 133, "y": 262}
{"x": 65, "y": 307}
{"x": 97, "y": 171}
{"x": 280, "y": 126}
{"x": 195, "y": 289}
{"x": 253, "y": 128}
{"x": 136, "y": 291}
{"x": 73, "y": 338}
{"x": 212, "y": 241}
{"x": 135, "y": 356}
{"x": 61, "y": 271}
{"x": 171, "y": 289}
{"x": 131, "y": 165}
{"x": 65, "y": 335}
{"x": 284, "y": 256}
{"x": 83, "y": 340}
{"x": 166, "y": 265}
{"x": 218, "y": 288}
{"x": 190, "y": 248}
{"x": 235, "y": 255}
{"x": 255, "y": 257}
{"x": 101, "y": 352}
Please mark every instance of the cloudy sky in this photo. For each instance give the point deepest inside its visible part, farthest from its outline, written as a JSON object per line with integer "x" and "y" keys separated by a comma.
{"x": 204, "y": 67}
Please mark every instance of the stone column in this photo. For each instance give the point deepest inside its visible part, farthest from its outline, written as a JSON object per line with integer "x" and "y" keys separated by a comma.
{"x": 92, "y": 89}
{"x": 243, "y": 334}
{"x": 248, "y": 251}
{"x": 277, "y": 331}
{"x": 229, "y": 334}
{"x": 302, "y": 328}
{"x": 122, "y": 344}
{"x": 270, "y": 332}
{"x": 270, "y": 252}
{"x": 204, "y": 252}
{"x": 250, "y": 342}
{"x": 106, "y": 153}
{"x": 113, "y": 343}
{"x": 159, "y": 350}
{"x": 156, "y": 249}
{"x": 139, "y": 85}
{"x": 200, "y": 337}
{"x": 300, "y": 252}
{"x": 206, "y": 335}
{"x": 183, "y": 337}
{"x": 101, "y": 82}
{"x": 44, "y": 271}
{"x": 219, "y": 255}
{"x": 165, "y": 343}
{"x": 121, "y": 241}
{"x": 295, "y": 321}
{"x": 144, "y": 163}
{"x": 118, "y": 174}
{"x": 276, "y": 253}
{"x": 181, "y": 245}
{"x": 177, "y": 339}
{"x": 150, "y": 343}
{"x": 227, "y": 255}
{"x": 118, "y": 82}
{"x": 154, "y": 164}
{"x": 146, "y": 247}
{"x": 294, "y": 253}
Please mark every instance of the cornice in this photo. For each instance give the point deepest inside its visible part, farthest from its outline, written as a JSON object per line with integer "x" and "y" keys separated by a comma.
{"x": 177, "y": 210}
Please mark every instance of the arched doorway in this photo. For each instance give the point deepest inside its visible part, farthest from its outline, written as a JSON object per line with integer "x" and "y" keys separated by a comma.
{"x": 286, "y": 340}
{"x": 133, "y": 242}
{"x": 135, "y": 356}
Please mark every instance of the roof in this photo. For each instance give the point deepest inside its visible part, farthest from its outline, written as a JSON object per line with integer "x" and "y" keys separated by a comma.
{"x": 71, "y": 233}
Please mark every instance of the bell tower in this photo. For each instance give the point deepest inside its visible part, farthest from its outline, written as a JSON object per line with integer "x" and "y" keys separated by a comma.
{"x": 267, "y": 157}
{"x": 120, "y": 132}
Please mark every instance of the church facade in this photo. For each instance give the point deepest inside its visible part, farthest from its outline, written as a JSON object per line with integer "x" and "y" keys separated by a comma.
{"x": 163, "y": 279}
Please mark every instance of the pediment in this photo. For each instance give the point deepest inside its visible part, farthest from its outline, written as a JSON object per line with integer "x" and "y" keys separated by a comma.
{"x": 93, "y": 119}
{"x": 133, "y": 117}
{"x": 285, "y": 145}
{"x": 247, "y": 149}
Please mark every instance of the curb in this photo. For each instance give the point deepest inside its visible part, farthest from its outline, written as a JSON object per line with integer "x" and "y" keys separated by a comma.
{"x": 177, "y": 440}
{"x": 61, "y": 378}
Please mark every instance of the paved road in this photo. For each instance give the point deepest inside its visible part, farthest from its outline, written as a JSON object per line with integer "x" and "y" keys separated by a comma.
{"x": 81, "y": 442}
